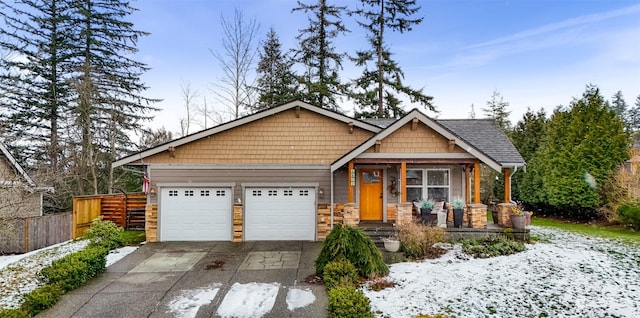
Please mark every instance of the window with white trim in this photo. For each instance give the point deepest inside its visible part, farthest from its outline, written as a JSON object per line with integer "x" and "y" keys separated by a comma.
{"x": 435, "y": 186}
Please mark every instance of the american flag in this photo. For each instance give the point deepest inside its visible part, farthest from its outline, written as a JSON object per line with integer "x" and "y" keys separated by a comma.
{"x": 145, "y": 183}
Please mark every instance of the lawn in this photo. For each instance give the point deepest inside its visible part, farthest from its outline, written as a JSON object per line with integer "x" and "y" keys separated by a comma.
{"x": 604, "y": 231}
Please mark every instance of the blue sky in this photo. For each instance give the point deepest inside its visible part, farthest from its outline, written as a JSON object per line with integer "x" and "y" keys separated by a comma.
{"x": 536, "y": 53}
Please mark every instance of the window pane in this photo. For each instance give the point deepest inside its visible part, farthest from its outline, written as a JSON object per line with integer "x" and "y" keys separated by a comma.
{"x": 414, "y": 177}
{"x": 371, "y": 177}
{"x": 438, "y": 193}
{"x": 437, "y": 177}
{"x": 414, "y": 194}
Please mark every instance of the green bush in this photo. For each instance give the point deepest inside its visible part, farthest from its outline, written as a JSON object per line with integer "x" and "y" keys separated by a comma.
{"x": 417, "y": 240}
{"x": 347, "y": 302}
{"x": 339, "y": 273}
{"x": 105, "y": 234}
{"x": 345, "y": 242}
{"x": 75, "y": 269}
{"x": 629, "y": 214}
{"x": 490, "y": 247}
{"x": 14, "y": 313}
{"x": 41, "y": 299}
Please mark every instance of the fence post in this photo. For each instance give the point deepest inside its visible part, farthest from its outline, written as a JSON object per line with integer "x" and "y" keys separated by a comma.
{"x": 26, "y": 235}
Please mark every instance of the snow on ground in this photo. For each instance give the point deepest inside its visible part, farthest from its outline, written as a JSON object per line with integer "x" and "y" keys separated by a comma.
{"x": 19, "y": 273}
{"x": 249, "y": 300}
{"x": 298, "y": 298}
{"x": 187, "y": 304}
{"x": 563, "y": 275}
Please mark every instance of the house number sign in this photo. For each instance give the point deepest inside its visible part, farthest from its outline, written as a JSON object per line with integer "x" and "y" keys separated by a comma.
{"x": 353, "y": 177}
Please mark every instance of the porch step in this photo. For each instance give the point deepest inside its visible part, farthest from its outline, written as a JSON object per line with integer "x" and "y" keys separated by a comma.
{"x": 377, "y": 231}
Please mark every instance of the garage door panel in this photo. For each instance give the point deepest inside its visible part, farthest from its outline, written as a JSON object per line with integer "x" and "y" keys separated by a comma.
{"x": 280, "y": 214}
{"x": 195, "y": 214}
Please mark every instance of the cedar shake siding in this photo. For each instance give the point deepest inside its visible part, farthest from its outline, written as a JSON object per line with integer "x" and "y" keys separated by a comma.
{"x": 421, "y": 140}
{"x": 281, "y": 138}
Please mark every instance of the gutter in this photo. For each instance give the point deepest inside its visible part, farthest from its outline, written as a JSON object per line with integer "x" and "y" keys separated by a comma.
{"x": 331, "y": 186}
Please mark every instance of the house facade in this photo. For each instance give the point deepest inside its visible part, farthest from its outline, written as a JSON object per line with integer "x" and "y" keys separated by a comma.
{"x": 19, "y": 194}
{"x": 291, "y": 172}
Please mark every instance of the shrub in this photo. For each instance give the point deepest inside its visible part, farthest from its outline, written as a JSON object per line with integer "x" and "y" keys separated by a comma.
{"x": 629, "y": 214}
{"x": 339, "y": 273}
{"x": 345, "y": 242}
{"x": 417, "y": 240}
{"x": 105, "y": 234}
{"x": 347, "y": 301}
{"x": 75, "y": 269}
{"x": 490, "y": 247}
{"x": 14, "y": 313}
{"x": 41, "y": 299}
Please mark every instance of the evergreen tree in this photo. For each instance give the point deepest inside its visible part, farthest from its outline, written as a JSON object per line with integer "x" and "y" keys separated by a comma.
{"x": 497, "y": 109}
{"x": 376, "y": 89}
{"x": 34, "y": 78}
{"x": 317, "y": 54}
{"x": 632, "y": 118}
{"x": 109, "y": 89}
{"x": 276, "y": 82}
{"x": 618, "y": 104}
{"x": 581, "y": 149}
{"x": 527, "y": 136}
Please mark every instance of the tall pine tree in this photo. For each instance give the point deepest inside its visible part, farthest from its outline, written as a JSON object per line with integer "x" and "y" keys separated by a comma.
{"x": 276, "y": 82}
{"x": 377, "y": 88}
{"x": 318, "y": 56}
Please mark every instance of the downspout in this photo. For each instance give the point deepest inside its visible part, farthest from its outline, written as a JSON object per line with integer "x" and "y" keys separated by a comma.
{"x": 515, "y": 168}
{"x": 331, "y": 201}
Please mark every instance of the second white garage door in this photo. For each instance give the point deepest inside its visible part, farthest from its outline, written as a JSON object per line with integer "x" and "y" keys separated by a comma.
{"x": 195, "y": 214}
{"x": 280, "y": 214}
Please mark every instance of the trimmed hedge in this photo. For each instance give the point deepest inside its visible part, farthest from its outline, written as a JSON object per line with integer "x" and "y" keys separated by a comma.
{"x": 339, "y": 273}
{"x": 73, "y": 270}
{"x": 629, "y": 214}
{"x": 41, "y": 299}
{"x": 105, "y": 234}
{"x": 345, "y": 242}
{"x": 348, "y": 302}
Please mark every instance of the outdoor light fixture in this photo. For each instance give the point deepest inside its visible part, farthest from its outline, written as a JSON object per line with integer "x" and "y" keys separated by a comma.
{"x": 321, "y": 192}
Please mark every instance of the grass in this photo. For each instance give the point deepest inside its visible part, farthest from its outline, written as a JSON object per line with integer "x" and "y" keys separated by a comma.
{"x": 604, "y": 231}
{"x": 132, "y": 238}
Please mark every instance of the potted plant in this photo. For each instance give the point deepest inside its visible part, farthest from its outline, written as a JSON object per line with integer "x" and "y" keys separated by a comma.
{"x": 392, "y": 243}
{"x": 518, "y": 219}
{"x": 458, "y": 212}
{"x": 426, "y": 206}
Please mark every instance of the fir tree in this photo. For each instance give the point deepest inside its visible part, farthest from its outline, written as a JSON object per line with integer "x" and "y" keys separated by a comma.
{"x": 276, "y": 82}
{"x": 317, "y": 54}
{"x": 497, "y": 109}
{"x": 377, "y": 88}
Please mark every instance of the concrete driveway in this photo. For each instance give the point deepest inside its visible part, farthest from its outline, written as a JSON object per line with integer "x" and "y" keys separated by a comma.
{"x": 203, "y": 279}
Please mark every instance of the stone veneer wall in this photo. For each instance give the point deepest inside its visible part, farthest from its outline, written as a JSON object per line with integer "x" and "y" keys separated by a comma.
{"x": 504, "y": 210}
{"x": 351, "y": 215}
{"x": 477, "y": 216}
{"x": 151, "y": 222}
{"x": 404, "y": 214}
{"x": 237, "y": 223}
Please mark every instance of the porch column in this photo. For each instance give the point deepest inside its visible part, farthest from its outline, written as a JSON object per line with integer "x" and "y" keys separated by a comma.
{"x": 507, "y": 185}
{"x": 476, "y": 183}
{"x": 467, "y": 184}
{"x": 403, "y": 180}
{"x": 352, "y": 182}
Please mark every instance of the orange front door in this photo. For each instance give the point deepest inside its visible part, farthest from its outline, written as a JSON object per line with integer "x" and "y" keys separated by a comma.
{"x": 370, "y": 194}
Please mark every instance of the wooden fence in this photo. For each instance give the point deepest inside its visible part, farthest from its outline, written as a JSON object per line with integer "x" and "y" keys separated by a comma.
{"x": 125, "y": 210}
{"x": 22, "y": 235}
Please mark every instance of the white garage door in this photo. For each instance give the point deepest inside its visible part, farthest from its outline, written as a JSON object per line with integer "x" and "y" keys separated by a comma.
{"x": 195, "y": 214}
{"x": 280, "y": 214}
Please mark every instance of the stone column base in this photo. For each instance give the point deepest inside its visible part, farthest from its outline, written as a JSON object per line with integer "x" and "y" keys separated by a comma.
{"x": 351, "y": 215}
{"x": 404, "y": 214}
{"x": 504, "y": 210}
{"x": 477, "y": 216}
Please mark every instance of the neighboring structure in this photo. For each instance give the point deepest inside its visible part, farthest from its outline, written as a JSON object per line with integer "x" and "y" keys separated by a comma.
{"x": 291, "y": 172}
{"x": 19, "y": 194}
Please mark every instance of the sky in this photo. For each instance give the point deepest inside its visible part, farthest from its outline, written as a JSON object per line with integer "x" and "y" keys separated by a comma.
{"x": 535, "y": 53}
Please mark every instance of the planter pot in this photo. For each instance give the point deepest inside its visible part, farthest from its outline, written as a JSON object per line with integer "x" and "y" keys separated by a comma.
{"x": 426, "y": 215}
{"x": 527, "y": 218}
{"x": 442, "y": 219}
{"x": 494, "y": 216}
{"x": 518, "y": 221}
{"x": 458, "y": 215}
{"x": 391, "y": 245}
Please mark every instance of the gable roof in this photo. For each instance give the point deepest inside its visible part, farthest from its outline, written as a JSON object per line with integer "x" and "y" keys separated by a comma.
{"x": 481, "y": 138}
{"x": 14, "y": 163}
{"x": 241, "y": 121}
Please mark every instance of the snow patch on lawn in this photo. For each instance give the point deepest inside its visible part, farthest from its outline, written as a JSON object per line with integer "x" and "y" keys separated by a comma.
{"x": 565, "y": 274}
{"x": 249, "y": 300}
{"x": 298, "y": 298}
{"x": 20, "y": 276}
{"x": 189, "y": 302}
{"x": 119, "y": 253}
